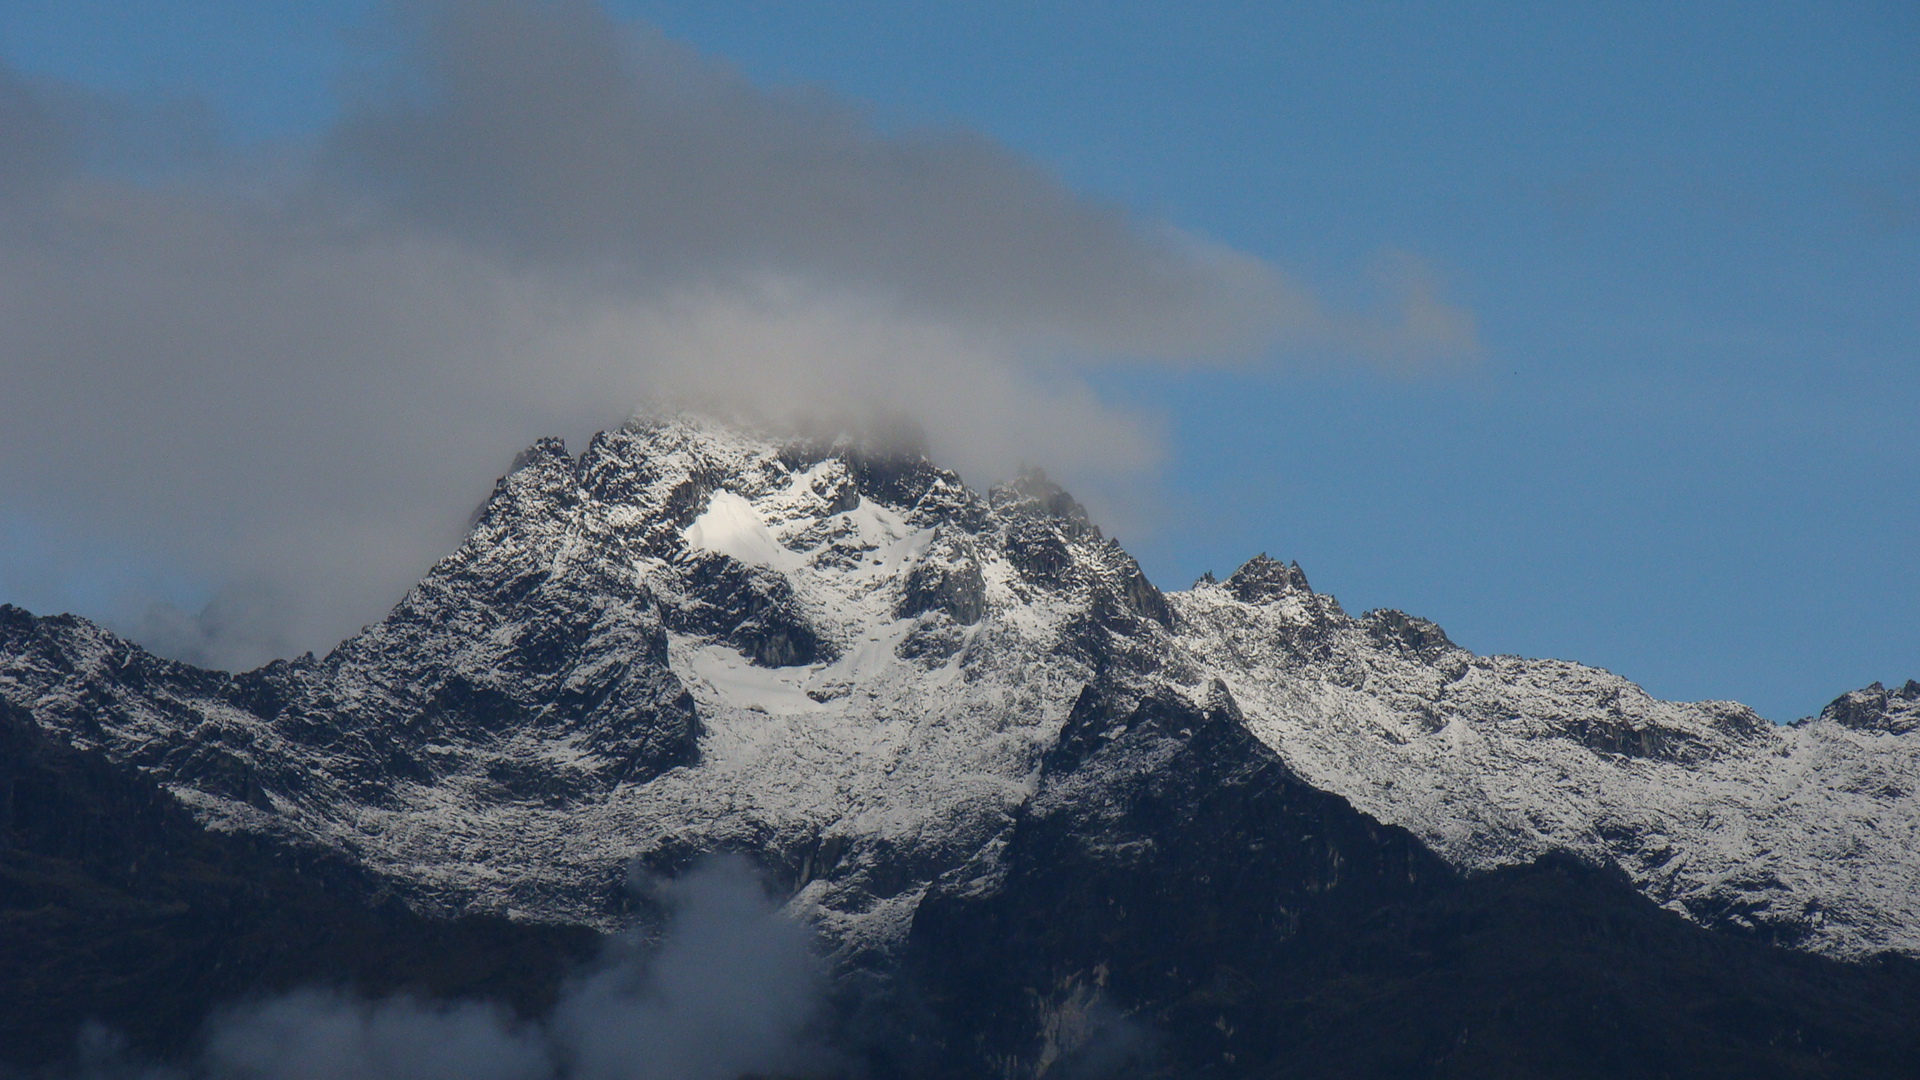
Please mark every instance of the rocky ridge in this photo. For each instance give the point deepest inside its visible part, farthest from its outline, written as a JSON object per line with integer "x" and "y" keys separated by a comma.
{"x": 692, "y": 638}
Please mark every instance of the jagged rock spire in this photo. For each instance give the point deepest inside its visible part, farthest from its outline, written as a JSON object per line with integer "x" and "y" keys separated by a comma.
{"x": 1261, "y": 579}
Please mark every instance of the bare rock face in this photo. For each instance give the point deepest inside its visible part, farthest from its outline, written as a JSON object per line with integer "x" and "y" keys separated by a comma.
{"x": 948, "y": 579}
{"x": 1877, "y": 709}
{"x": 1262, "y": 579}
{"x": 691, "y": 638}
{"x": 1408, "y": 635}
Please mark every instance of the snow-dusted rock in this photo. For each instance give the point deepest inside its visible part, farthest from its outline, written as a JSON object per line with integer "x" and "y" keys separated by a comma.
{"x": 1799, "y": 834}
{"x": 690, "y": 638}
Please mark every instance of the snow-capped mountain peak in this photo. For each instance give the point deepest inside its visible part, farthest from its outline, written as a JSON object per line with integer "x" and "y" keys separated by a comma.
{"x": 693, "y": 637}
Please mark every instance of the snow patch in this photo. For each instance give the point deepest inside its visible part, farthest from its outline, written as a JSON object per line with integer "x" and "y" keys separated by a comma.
{"x": 731, "y": 681}
{"x": 731, "y": 526}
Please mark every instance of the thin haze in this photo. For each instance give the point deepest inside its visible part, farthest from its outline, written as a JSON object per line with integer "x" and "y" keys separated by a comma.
{"x": 286, "y": 375}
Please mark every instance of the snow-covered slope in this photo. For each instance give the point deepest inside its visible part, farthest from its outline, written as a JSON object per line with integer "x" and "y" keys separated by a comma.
{"x": 1801, "y": 834}
{"x": 692, "y": 638}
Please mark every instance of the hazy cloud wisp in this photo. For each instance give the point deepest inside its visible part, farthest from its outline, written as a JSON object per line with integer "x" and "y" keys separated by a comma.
{"x": 291, "y": 373}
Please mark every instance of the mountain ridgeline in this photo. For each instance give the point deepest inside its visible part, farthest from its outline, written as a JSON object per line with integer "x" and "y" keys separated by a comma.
{"x": 1043, "y": 818}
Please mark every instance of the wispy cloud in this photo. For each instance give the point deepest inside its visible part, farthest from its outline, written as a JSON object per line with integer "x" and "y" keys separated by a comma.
{"x": 291, "y": 373}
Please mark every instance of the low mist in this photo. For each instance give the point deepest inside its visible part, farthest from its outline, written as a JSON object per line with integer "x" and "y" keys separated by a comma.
{"x": 732, "y": 988}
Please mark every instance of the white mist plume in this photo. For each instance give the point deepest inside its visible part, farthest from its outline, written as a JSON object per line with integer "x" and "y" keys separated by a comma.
{"x": 730, "y": 992}
{"x": 291, "y": 374}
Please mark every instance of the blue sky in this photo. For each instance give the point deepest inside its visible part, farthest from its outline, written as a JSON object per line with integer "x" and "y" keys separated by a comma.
{"x": 1689, "y": 234}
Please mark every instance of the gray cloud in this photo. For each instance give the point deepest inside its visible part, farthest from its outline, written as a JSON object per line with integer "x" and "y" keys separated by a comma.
{"x": 555, "y": 135}
{"x": 290, "y": 374}
{"x": 33, "y": 142}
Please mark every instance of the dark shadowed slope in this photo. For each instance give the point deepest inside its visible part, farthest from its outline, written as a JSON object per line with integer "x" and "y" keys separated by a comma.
{"x": 116, "y": 906}
{"x": 1175, "y": 902}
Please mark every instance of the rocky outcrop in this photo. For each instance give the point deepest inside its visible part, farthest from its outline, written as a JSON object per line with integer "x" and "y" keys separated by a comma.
{"x": 946, "y": 578}
{"x": 1262, "y": 579}
{"x": 1877, "y": 709}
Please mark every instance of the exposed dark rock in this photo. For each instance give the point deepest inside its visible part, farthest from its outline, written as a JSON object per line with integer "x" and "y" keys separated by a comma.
{"x": 933, "y": 641}
{"x": 544, "y": 453}
{"x": 1876, "y": 708}
{"x": 893, "y": 471}
{"x": 1140, "y": 595}
{"x": 1737, "y": 720}
{"x": 1166, "y": 853}
{"x": 266, "y": 691}
{"x": 212, "y": 768}
{"x": 840, "y": 493}
{"x": 1262, "y": 579}
{"x": 899, "y": 478}
{"x": 947, "y": 578}
{"x": 1408, "y": 634}
{"x": 751, "y": 607}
